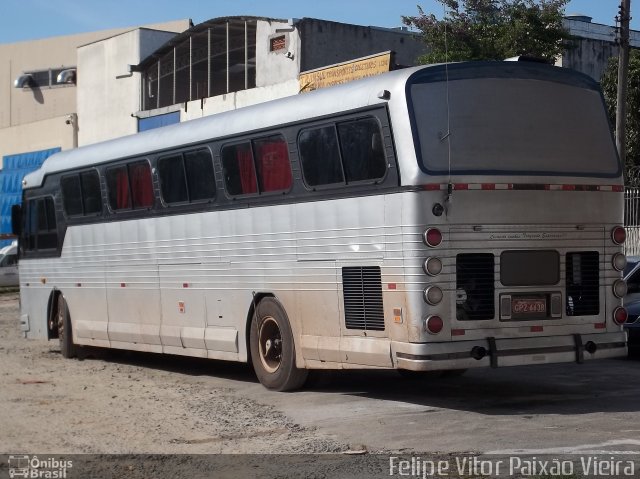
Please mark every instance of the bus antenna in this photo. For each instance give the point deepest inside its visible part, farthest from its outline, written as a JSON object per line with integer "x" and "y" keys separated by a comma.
{"x": 447, "y": 137}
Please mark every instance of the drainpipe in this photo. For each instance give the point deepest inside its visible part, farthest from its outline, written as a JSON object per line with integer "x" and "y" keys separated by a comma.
{"x": 72, "y": 120}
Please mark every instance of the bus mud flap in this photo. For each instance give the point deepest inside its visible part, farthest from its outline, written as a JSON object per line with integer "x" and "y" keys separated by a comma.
{"x": 493, "y": 352}
{"x": 577, "y": 339}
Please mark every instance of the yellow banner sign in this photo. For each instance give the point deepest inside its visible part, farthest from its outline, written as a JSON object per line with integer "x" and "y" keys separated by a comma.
{"x": 345, "y": 72}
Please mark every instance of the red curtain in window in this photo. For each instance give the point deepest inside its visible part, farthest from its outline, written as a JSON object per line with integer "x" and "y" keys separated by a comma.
{"x": 274, "y": 166}
{"x": 247, "y": 169}
{"x": 141, "y": 186}
{"x": 122, "y": 189}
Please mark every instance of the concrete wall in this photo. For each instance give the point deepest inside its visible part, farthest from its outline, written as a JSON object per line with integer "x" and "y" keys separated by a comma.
{"x": 35, "y": 136}
{"x": 592, "y": 47}
{"x": 279, "y": 66}
{"x": 325, "y": 43}
{"x": 108, "y": 94}
{"x": 231, "y": 101}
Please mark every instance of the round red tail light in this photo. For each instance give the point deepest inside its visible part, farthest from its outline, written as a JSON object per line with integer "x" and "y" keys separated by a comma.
{"x": 433, "y": 324}
{"x": 620, "y": 315}
{"x": 618, "y": 235}
{"x": 432, "y": 237}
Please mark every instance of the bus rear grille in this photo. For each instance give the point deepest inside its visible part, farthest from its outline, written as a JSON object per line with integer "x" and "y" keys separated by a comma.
{"x": 362, "y": 290}
{"x": 583, "y": 283}
{"x": 475, "y": 286}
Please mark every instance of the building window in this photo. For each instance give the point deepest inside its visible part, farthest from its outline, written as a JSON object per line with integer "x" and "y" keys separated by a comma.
{"x": 49, "y": 78}
{"x": 216, "y": 59}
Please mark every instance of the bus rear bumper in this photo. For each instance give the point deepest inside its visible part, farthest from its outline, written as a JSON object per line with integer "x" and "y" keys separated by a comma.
{"x": 491, "y": 352}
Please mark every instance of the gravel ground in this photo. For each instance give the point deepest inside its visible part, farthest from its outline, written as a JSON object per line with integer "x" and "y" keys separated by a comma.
{"x": 133, "y": 404}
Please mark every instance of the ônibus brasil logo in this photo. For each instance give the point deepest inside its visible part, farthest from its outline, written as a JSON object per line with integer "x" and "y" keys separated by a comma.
{"x": 34, "y": 467}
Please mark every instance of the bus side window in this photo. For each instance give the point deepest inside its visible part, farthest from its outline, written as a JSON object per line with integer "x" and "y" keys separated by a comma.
{"x": 272, "y": 162}
{"x": 362, "y": 150}
{"x": 118, "y": 186}
{"x": 40, "y": 230}
{"x": 320, "y": 156}
{"x": 91, "y": 194}
{"x": 141, "y": 184}
{"x": 200, "y": 178}
{"x": 239, "y": 169}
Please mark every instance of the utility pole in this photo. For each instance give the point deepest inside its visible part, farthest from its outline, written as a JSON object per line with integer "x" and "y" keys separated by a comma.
{"x": 623, "y": 71}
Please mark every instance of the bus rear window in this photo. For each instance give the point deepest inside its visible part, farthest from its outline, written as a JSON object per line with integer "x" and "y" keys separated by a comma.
{"x": 512, "y": 126}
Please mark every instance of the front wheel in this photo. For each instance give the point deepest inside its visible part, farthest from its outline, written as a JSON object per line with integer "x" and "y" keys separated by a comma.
{"x": 272, "y": 348}
{"x": 65, "y": 335}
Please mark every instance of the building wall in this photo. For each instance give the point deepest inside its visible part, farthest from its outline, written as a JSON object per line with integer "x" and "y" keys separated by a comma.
{"x": 326, "y": 43}
{"x": 592, "y": 47}
{"x": 279, "y": 66}
{"x": 239, "y": 99}
{"x": 29, "y": 117}
{"x": 37, "y": 135}
{"x": 108, "y": 93}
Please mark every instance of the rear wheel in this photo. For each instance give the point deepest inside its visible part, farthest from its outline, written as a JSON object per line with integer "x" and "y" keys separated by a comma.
{"x": 65, "y": 335}
{"x": 272, "y": 349}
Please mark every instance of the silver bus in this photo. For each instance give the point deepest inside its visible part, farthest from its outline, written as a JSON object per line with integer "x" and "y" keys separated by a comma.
{"x": 442, "y": 217}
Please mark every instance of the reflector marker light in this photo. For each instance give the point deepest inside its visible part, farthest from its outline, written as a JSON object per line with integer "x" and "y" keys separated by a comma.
{"x": 620, "y": 288}
{"x": 432, "y": 266}
{"x": 619, "y": 261}
{"x": 536, "y": 329}
{"x": 600, "y": 325}
{"x": 457, "y": 332}
{"x": 432, "y": 295}
{"x": 522, "y": 186}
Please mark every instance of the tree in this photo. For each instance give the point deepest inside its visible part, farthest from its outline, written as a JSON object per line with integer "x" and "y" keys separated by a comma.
{"x": 492, "y": 30}
{"x": 609, "y": 84}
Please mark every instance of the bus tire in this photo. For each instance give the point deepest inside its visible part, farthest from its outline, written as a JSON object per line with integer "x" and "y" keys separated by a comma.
{"x": 273, "y": 351}
{"x": 65, "y": 334}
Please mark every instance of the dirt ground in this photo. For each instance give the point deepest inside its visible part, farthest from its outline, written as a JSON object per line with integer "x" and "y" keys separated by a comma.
{"x": 132, "y": 404}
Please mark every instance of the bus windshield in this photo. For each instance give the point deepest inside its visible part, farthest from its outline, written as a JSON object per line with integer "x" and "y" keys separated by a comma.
{"x": 508, "y": 126}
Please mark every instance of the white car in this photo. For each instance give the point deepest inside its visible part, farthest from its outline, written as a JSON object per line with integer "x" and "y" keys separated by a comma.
{"x": 9, "y": 265}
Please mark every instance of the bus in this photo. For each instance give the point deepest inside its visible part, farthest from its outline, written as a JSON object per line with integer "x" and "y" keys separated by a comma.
{"x": 435, "y": 218}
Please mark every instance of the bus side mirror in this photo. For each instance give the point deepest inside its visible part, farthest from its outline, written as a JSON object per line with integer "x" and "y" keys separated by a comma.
{"x": 16, "y": 220}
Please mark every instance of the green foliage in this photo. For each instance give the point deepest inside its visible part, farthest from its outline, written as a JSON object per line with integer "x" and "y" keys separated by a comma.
{"x": 632, "y": 123}
{"x": 492, "y": 30}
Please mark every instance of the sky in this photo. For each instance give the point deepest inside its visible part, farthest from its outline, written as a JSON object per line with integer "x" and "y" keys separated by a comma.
{"x": 33, "y": 19}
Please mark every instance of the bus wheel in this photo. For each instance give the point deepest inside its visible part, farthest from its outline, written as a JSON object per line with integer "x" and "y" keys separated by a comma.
{"x": 67, "y": 348}
{"x": 272, "y": 350}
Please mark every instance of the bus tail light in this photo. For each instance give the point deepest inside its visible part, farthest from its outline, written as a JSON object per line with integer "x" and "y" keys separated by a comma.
{"x": 432, "y": 266}
{"x": 433, "y": 324}
{"x": 432, "y": 295}
{"x": 619, "y": 261}
{"x": 620, "y": 315}
{"x": 618, "y": 235}
{"x": 432, "y": 237}
{"x": 620, "y": 288}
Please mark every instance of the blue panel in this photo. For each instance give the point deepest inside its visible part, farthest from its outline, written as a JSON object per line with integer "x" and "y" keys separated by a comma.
{"x": 15, "y": 168}
{"x": 30, "y": 161}
{"x": 152, "y": 122}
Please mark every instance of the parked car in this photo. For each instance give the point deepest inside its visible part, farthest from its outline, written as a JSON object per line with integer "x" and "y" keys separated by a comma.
{"x": 9, "y": 265}
{"x": 631, "y": 275}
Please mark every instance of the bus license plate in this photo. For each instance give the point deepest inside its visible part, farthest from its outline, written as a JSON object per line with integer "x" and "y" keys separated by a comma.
{"x": 525, "y": 307}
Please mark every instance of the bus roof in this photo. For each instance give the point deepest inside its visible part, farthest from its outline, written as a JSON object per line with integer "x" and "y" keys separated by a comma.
{"x": 325, "y": 101}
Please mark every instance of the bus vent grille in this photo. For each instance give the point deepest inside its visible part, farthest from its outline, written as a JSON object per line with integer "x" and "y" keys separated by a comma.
{"x": 362, "y": 289}
{"x": 583, "y": 283}
{"x": 475, "y": 286}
